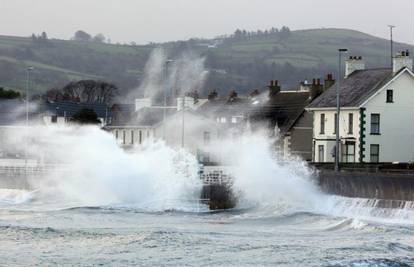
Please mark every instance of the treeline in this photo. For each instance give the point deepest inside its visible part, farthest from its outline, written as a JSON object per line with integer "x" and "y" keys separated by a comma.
{"x": 86, "y": 91}
{"x": 240, "y": 34}
{"x": 8, "y": 94}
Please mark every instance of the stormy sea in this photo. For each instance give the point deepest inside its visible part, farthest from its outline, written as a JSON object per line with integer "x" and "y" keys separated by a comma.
{"x": 102, "y": 206}
{"x": 36, "y": 233}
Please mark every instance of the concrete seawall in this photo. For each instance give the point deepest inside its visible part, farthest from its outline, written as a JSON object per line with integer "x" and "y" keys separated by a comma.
{"x": 374, "y": 185}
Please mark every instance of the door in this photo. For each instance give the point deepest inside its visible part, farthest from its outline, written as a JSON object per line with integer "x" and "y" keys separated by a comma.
{"x": 321, "y": 153}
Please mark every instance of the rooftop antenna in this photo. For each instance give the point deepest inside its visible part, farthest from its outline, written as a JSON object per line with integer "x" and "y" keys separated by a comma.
{"x": 392, "y": 44}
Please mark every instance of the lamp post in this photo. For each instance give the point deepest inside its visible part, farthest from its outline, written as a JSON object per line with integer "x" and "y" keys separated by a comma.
{"x": 391, "y": 44}
{"x": 28, "y": 70}
{"x": 164, "y": 115}
{"x": 183, "y": 121}
{"x": 338, "y": 109}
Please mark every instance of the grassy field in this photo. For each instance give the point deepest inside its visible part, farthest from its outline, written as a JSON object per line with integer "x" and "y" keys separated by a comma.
{"x": 58, "y": 61}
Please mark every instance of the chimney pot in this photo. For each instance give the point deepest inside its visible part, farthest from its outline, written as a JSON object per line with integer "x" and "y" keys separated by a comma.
{"x": 354, "y": 64}
{"x": 318, "y": 82}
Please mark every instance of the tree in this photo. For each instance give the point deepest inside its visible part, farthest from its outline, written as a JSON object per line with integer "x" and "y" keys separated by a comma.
{"x": 82, "y": 36}
{"x": 8, "y": 94}
{"x": 99, "y": 38}
{"x": 87, "y": 91}
{"x": 86, "y": 116}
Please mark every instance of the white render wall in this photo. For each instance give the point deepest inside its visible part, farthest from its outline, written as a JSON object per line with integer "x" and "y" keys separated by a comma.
{"x": 194, "y": 129}
{"x": 396, "y": 137}
{"x": 129, "y": 136}
{"x": 328, "y": 138}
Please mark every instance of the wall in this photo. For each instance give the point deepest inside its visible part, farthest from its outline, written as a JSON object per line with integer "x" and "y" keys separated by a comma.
{"x": 328, "y": 138}
{"x": 300, "y": 137}
{"x": 396, "y": 137}
{"x": 194, "y": 128}
{"x": 146, "y": 135}
{"x": 388, "y": 186}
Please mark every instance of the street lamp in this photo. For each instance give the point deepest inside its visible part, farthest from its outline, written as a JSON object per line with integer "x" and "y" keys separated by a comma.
{"x": 167, "y": 62}
{"x": 28, "y": 70}
{"x": 338, "y": 109}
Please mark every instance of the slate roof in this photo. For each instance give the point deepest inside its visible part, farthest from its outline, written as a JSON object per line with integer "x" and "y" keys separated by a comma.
{"x": 225, "y": 107}
{"x": 355, "y": 89}
{"x": 283, "y": 109}
{"x": 147, "y": 116}
{"x": 68, "y": 108}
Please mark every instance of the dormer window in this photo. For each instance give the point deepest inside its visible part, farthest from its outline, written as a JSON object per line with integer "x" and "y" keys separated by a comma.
{"x": 390, "y": 96}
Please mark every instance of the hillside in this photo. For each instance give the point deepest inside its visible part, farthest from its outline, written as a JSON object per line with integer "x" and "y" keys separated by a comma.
{"x": 240, "y": 61}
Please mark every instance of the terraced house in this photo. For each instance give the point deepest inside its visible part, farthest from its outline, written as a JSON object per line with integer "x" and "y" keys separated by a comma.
{"x": 376, "y": 115}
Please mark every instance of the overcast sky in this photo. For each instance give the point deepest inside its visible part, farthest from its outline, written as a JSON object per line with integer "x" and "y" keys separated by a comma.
{"x": 144, "y": 21}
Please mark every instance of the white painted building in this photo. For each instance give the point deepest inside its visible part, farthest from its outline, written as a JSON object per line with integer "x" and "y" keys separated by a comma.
{"x": 189, "y": 130}
{"x": 375, "y": 122}
{"x": 133, "y": 125}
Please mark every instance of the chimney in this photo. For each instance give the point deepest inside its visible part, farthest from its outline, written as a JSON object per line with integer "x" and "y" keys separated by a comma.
{"x": 402, "y": 60}
{"x": 232, "y": 96}
{"x": 329, "y": 81}
{"x": 142, "y": 103}
{"x": 316, "y": 89}
{"x": 274, "y": 88}
{"x": 353, "y": 64}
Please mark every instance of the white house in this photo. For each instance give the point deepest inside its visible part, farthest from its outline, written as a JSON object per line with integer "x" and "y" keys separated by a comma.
{"x": 375, "y": 122}
{"x": 133, "y": 125}
{"x": 191, "y": 131}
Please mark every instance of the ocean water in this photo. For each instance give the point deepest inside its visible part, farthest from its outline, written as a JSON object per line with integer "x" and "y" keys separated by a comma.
{"x": 102, "y": 206}
{"x": 34, "y": 232}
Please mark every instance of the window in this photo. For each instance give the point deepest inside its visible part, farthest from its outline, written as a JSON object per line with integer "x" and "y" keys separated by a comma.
{"x": 321, "y": 153}
{"x": 233, "y": 119}
{"x": 375, "y": 123}
{"x": 335, "y": 121}
{"x": 207, "y": 138}
{"x": 123, "y": 137}
{"x": 350, "y": 152}
{"x": 322, "y": 124}
{"x": 116, "y": 134}
{"x": 390, "y": 96}
{"x": 350, "y": 123}
{"x": 223, "y": 120}
{"x": 132, "y": 137}
{"x": 374, "y": 153}
{"x": 54, "y": 119}
{"x": 140, "y": 137}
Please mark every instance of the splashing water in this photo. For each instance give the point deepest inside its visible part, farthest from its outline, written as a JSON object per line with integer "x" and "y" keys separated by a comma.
{"x": 94, "y": 171}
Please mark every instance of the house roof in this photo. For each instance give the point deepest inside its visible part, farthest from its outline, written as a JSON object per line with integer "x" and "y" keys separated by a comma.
{"x": 225, "y": 107}
{"x": 283, "y": 109}
{"x": 147, "y": 116}
{"x": 68, "y": 108}
{"x": 355, "y": 89}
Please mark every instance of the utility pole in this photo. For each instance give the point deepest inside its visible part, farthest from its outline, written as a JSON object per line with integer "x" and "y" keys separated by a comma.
{"x": 28, "y": 70}
{"x": 338, "y": 109}
{"x": 182, "y": 122}
{"x": 391, "y": 45}
{"x": 164, "y": 115}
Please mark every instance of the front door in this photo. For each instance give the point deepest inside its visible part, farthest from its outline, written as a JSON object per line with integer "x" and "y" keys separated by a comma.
{"x": 349, "y": 156}
{"x": 321, "y": 153}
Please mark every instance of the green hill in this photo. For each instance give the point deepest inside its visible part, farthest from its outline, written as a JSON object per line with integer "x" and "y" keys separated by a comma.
{"x": 242, "y": 61}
